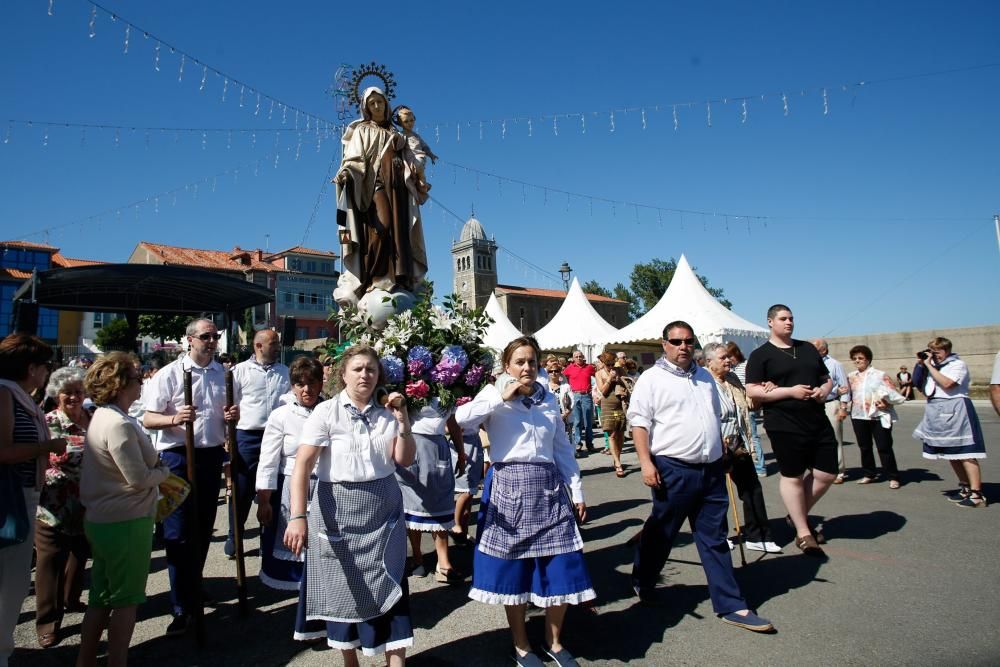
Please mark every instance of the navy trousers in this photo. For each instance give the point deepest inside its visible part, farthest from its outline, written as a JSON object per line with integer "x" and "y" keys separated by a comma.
{"x": 696, "y": 492}
{"x": 184, "y": 566}
{"x": 245, "y": 475}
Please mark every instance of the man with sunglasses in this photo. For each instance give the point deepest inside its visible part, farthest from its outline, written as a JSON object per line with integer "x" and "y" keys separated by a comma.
{"x": 674, "y": 414}
{"x": 166, "y": 411}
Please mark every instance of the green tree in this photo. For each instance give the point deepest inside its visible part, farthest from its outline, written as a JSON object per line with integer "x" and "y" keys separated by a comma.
{"x": 163, "y": 327}
{"x": 622, "y": 293}
{"x": 115, "y": 336}
{"x": 594, "y": 287}
{"x": 649, "y": 281}
{"x": 248, "y": 328}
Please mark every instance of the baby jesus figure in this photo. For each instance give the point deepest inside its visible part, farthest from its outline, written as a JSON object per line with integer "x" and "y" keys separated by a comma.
{"x": 416, "y": 152}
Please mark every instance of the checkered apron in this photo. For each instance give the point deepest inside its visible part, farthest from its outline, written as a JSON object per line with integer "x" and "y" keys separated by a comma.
{"x": 280, "y": 551}
{"x": 529, "y": 513}
{"x": 357, "y": 550}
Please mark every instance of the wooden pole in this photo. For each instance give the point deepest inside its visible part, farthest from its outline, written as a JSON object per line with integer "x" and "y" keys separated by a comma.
{"x": 194, "y": 521}
{"x": 736, "y": 519}
{"x": 238, "y": 467}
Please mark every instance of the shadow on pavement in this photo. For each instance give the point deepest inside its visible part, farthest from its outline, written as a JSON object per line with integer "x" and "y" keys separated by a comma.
{"x": 863, "y": 526}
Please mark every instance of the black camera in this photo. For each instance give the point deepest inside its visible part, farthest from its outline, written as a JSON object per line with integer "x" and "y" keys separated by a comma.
{"x": 923, "y": 354}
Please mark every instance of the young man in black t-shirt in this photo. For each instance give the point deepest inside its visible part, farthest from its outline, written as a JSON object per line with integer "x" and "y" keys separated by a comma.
{"x": 788, "y": 377}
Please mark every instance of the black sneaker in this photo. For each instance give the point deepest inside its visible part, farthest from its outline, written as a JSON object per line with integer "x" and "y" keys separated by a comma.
{"x": 650, "y": 597}
{"x": 974, "y": 499}
{"x": 958, "y": 495}
{"x": 178, "y": 626}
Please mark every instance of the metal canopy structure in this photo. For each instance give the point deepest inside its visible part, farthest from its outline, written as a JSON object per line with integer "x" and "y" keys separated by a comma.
{"x": 142, "y": 288}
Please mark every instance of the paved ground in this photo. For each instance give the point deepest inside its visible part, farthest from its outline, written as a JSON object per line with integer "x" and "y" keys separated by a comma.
{"x": 911, "y": 579}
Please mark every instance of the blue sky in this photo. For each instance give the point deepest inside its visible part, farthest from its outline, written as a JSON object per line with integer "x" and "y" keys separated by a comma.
{"x": 878, "y": 213}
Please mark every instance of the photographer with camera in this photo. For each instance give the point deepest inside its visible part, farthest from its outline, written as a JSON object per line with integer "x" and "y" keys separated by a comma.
{"x": 735, "y": 420}
{"x": 950, "y": 428}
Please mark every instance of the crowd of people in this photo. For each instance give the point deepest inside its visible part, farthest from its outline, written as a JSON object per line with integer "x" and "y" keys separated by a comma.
{"x": 347, "y": 481}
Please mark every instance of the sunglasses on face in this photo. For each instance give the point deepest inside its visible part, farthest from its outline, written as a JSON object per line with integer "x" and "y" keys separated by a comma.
{"x": 208, "y": 336}
{"x": 676, "y": 342}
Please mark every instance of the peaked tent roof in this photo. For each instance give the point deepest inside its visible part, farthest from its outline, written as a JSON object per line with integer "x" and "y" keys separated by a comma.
{"x": 687, "y": 299}
{"x": 502, "y": 331}
{"x": 575, "y": 323}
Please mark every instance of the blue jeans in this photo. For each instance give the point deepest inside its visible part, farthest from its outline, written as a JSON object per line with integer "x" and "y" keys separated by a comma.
{"x": 583, "y": 419}
{"x": 758, "y": 449}
{"x": 696, "y": 493}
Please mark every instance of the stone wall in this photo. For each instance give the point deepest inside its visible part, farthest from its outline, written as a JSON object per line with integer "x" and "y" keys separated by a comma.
{"x": 977, "y": 346}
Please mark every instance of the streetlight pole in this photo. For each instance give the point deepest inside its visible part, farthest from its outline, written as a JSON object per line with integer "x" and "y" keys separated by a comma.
{"x": 566, "y": 272}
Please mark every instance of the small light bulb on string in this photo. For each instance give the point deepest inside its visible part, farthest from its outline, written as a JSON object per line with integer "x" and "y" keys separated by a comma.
{"x": 118, "y": 137}
{"x": 147, "y": 139}
{"x": 128, "y": 32}
{"x": 614, "y": 210}
{"x": 284, "y": 114}
{"x": 243, "y": 90}
{"x": 524, "y": 195}
{"x": 567, "y": 202}
{"x": 555, "y": 126}
{"x": 270, "y": 112}
{"x": 204, "y": 140}
{"x": 256, "y": 168}
{"x": 298, "y": 147}
{"x": 156, "y": 57}
{"x": 743, "y": 112}
{"x": 477, "y": 181}
{"x": 708, "y": 118}
{"x": 480, "y": 130}
{"x": 229, "y": 140}
{"x": 204, "y": 76}
{"x": 195, "y": 191}
{"x": 612, "y": 117}
{"x": 45, "y": 138}
{"x": 236, "y": 176}
{"x": 225, "y": 87}
{"x": 583, "y": 123}
{"x": 256, "y": 111}
{"x": 659, "y": 216}
{"x": 156, "y": 205}
{"x": 643, "y": 119}
{"x": 214, "y": 179}
{"x": 437, "y": 134}
{"x": 51, "y": 2}
{"x": 319, "y": 142}
{"x": 276, "y": 157}
{"x": 677, "y": 122}
{"x": 296, "y": 119}
{"x": 826, "y": 104}
{"x": 92, "y": 26}
{"x": 309, "y": 124}
{"x": 458, "y": 132}
{"x": 784, "y": 104}
{"x": 503, "y": 129}
{"x": 529, "y": 127}
{"x": 253, "y": 140}
{"x": 180, "y": 70}
{"x": 173, "y": 200}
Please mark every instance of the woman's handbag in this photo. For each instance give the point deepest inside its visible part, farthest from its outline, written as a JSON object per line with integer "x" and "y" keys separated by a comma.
{"x": 13, "y": 511}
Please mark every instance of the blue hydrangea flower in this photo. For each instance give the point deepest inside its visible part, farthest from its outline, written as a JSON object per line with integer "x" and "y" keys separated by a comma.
{"x": 392, "y": 366}
{"x": 457, "y": 355}
{"x": 419, "y": 360}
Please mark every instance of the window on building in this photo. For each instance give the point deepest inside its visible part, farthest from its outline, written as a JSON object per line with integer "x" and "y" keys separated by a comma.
{"x": 324, "y": 267}
{"x": 302, "y": 297}
{"x": 301, "y": 333}
{"x": 323, "y": 333}
{"x": 288, "y": 297}
{"x": 545, "y": 314}
{"x": 311, "y": 266}
{"x": 295, "y": 264}
{"x": 314, "y": 298}
{"x": 25, "y": 260}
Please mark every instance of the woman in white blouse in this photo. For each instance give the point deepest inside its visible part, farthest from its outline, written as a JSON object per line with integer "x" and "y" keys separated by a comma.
{"x": 354, "y": 577}
{"x": 529, "y": 548}
{"x": 279, "y": 569}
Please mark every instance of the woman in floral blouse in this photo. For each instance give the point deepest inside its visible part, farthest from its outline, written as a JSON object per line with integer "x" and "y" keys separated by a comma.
{"x": 60, "y": 544}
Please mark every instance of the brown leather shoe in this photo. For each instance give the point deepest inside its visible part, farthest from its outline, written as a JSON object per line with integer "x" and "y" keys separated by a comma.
{"x": 809, "y": 546}
{"x": 48, "y": 640}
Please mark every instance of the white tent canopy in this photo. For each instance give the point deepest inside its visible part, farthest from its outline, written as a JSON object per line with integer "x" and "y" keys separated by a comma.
{"x": 501, "y": 331}
{"x": 576, "y": 324}
{"x": 687, "y": 299}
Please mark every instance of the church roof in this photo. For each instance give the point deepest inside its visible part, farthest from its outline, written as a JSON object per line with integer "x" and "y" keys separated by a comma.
{"x": 552, "y": 293}
{"x": 473, "y": 229}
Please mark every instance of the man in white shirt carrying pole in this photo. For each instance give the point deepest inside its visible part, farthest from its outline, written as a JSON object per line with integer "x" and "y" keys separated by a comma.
{"x": 166, "y": 411}
{"x": 258, "y": 385}
{"x": 674, "y": 414}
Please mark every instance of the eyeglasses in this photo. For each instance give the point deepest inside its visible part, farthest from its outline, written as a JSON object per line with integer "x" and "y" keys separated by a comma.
{"x": 208, "y": 336}
{"x": 676, "y": 342}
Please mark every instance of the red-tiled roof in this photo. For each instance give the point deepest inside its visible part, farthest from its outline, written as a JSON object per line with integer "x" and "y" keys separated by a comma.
{"x": 552, "y": 293}
{"x": 28, "y": 246}
{"x": 15, "y": 274}
{"x": 300, "y": 250}
{"x": 209, "y": 259}
{"x": 61, "y": 261}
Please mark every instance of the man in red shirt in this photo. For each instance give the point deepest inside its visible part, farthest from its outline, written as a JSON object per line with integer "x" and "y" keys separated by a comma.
{"x": 579, "y": 374}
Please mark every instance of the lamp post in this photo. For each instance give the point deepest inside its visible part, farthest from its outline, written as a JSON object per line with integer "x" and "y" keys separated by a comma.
{"x": 566, "y": 272}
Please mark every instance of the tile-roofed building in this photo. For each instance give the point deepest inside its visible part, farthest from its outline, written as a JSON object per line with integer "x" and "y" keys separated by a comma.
{"x": 17, "y": 260}
{"x": 302, "y": 280}
{"x": 528, "y": 308}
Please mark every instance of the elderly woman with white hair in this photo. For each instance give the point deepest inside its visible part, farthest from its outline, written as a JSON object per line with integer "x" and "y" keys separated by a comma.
{"x": 61, "y": 547}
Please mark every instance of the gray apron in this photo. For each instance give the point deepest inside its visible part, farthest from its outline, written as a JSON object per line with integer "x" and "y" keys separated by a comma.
{"x": 357, "y": 550}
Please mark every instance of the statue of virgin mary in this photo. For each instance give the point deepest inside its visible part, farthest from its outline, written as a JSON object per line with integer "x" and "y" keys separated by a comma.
{"x": 378, "y": 218}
